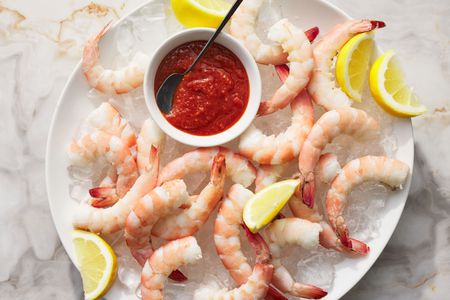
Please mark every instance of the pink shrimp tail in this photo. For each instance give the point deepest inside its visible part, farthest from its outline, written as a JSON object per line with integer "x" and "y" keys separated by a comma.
{"x": 282, "y": 71}
{"x": 377, "y": 24}
{"x": 312, "y": 33}
{"x": 103, "y": 202}
{"x": 178, "y": 276}
{"x": 343, "y": 234}
{"x": 102, "y": 192}
{"x": 90, "y": 51}
{"x": 218, "y": 168}
{"x": 359, "y": 247}
{"x": 274, "y": 294}
{"x": 258, "y": 244}
{"x": 103, "y": 196}
{"x": 312, "y": 292}
{"x": 308, "y": 193}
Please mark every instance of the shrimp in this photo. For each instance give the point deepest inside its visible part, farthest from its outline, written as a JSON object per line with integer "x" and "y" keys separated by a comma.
{"x": 112, "y": 219}
{"x": 292, "y": 231}
{"x": 287, "y": 145}
{"x": 149, "y": 135}
{"x": 107, "y": 119}
{"x": 345, "y": 120}
{"x": 301, "y": 63}
{"x": 389, "y": 171}
{"x": 200, "y": 160}
{"x": 226, "y": 236}
{"x": 328, "y": 167}
{"x": 266, "y": 175}
{"x": 257, "y": 283}
{"x": 188, "y": 221}
{"x": 226, "y": 233}
{"x": 242, "y": 27}
{"x": 164, "y": 261}
{"x": 160, "y": 202}
{"x": 112, "y": 81}
{"x": 99, "y": 143}
{"x": 322, "y": 87}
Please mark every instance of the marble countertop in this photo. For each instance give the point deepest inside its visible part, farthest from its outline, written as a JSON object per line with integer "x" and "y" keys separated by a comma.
{"x": 40, "y": 43}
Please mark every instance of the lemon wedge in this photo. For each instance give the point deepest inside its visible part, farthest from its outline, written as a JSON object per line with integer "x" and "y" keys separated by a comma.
{"x": 265, "y": 205}
{"x": 352, "y": 64}
{"x": 200, "y": 13}
{"x": 390, "y": 89}
{"x": 96, "y": 261}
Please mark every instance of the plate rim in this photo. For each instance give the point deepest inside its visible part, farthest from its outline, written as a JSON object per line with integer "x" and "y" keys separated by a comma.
{"x": 56, "y": 112}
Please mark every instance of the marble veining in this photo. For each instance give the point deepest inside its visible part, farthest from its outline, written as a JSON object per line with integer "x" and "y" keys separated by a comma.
{"x": 40, "y": 43}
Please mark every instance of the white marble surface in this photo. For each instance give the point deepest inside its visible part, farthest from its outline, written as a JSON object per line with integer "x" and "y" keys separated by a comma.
{"x": 40, "y": 43}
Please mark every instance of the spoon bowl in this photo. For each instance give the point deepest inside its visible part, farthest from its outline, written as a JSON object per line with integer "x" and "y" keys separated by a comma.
{"x": 167, "y": 90}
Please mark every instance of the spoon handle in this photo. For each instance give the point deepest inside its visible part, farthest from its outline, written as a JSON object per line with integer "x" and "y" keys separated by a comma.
{"x": 218, "y": 30}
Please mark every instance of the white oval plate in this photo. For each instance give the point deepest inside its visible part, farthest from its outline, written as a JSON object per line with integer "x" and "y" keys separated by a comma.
{"x": 72, "y": 107}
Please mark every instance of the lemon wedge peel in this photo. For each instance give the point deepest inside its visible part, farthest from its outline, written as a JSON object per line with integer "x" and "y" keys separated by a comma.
{"x": 86, "y": 262}
{"x": 265, "y": 205}
{"x": 386, "y": 82}
{"x": 200, "y": 13}
{"x": 353, "y": 63}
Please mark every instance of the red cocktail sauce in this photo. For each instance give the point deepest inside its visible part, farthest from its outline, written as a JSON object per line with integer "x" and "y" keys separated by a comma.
{"x": 213, "y": 96}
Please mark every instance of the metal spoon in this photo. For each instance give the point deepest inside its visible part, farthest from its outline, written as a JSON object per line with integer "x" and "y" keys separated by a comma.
{"x": 166, "y": 91}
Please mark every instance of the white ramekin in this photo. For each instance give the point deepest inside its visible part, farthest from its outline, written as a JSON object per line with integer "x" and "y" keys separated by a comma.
{"x": 254, "y": 78}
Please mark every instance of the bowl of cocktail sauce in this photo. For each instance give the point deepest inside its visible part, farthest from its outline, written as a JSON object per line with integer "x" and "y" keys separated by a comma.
{"x": 217, "y": 100}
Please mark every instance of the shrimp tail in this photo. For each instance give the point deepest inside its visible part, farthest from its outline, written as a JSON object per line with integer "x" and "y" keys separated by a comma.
{"x": 359, "y": 247}
{"x": 308, "y": 190}
{"x": 90, "y": 51}
{"x": 102, "y": 192}
{"x": 154, "y": 157}
{"x": 309, "y": 291}
{"x": 282, "y": 71}
{"x": 259, "y": 245}
{"x": 343, "y": 233}
{"x": 274, "y": 294}
{"x": 218, "y": 168}
{"x": 312, "y": 33}
{"x": 103, "y": 196}
{"x": 178, "y": 276}
{"x": 377, "y": 24}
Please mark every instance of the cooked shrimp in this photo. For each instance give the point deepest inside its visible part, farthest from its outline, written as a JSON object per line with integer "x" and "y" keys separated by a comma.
{"x": 189, "y": 220}
{"x": 200, "y": 160}
{"x": 257, "y": 283}
{"x": 99, "y": 143}
{"x": 327, "y": 237}
{"x": 226, "y": 233}
{"x": 292, "y": 231}
{"x": 328, "y": 167}
{"x": 107, "y": 119}
{"x": 160, "y": 202}
{"x": 150, "y": 135}
{"x": 345, "y": 120}
{"x": 368, "y": 168}
{"x": 112, "y": 219}
{"x": 322, "y": 87}
{"x": 165, "y": 260}
{"x": 285, "y": 146}
{"x": 301, "y": 63}
{"x": 112, "y": 81}
{"x": 266, "y": 175}
{"x": 242, "y": 27}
